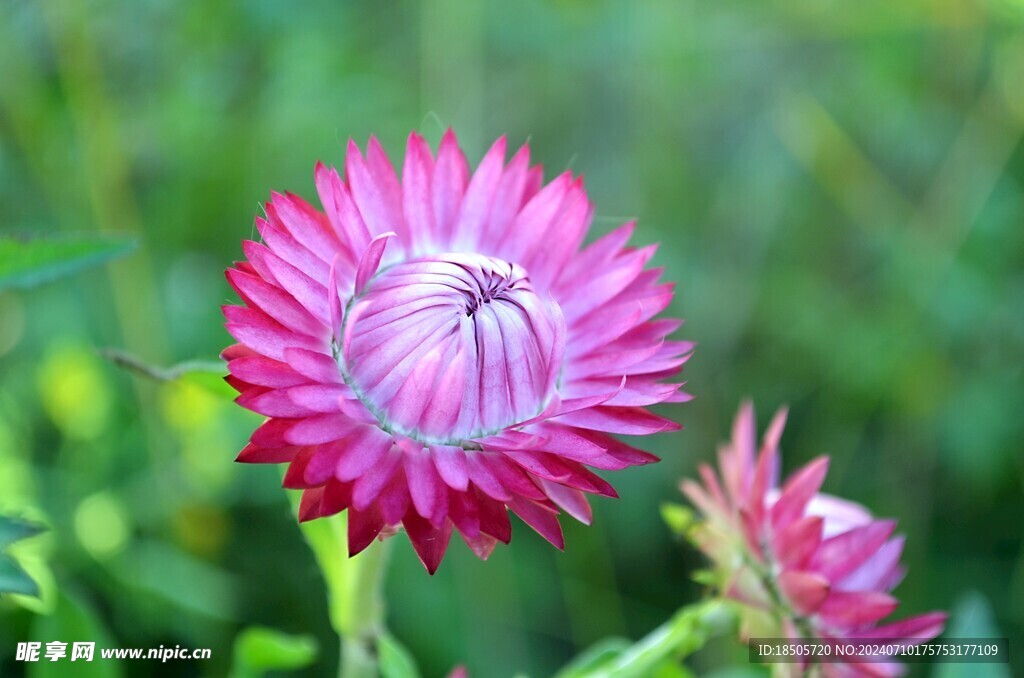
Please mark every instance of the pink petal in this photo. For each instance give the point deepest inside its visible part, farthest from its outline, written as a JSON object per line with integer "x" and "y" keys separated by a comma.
{"x": 263, "y": 335}
{"x": 368, "y": 486}
{"x": 424, "y": 482}
{"x": 476, "y": 205}
{"x": 314, "y": 365}
{"x": 309, "y": 292}
{"x": 277, "y": 240}
{"x": 373, "y": 190}
{"x": 544, "y": 521}
{"x": 273, "y": 301}
{"x": 493, "y": 517}
{"x": 341, "y": 210}
{"x": 363, "y": 527}
{"x": 920, "y": 628}
{"x": 336, "y": 498}
{"x": 305, "y": 224}
{"x": 508, "y": 199}
{"x": 838, "y": 556}
{"x": 795, "y": 544}
{"x": 370, "y": 260}
{"x": 394, "y": 499}
{"x": 416, "y": 193}
{"x": 533, "y": 220}
{"x": 429, "y": 542}
{"x": 481, "y": 545}
{"x": 361, "y": 452}
{"x": 318, "y": 429}
{"x": 451, "y": 174}
{"x": 309, "y": 504}
{"x": 849, "y": 610}
{"x": 571, "y": 500}
{"x": 881, "y": 572}
{"x": 806, "y": 591}
{"x": 596, "y": 256}
{"x": 564, "y": 236}
{"x": 624, "y": 420}
{"x": 798, "y": 491}
{"x": 254, "y": 454}
{"x": 451, "y": 466}
{"x": 334, "y": 301}
{"x": 482, "y": 476}
{"x": 265, "y": 372}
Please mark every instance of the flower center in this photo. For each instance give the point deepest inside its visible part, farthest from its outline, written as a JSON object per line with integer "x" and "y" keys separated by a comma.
{"x": 451, "y": 347}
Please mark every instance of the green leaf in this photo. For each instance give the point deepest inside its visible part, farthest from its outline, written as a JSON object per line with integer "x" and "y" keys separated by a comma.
{"x": 72, "y": 621}
{"x": 394, "y": 660}
{"x": 27, "y": 262}
{"x": 259, "y": 649}
{"x": 12, "y": 530}
{"x": 13, "y": 579}
{"x": 971, "y": 617}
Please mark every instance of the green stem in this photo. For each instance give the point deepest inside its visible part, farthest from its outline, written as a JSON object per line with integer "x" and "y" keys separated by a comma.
{"x": 358, "y": 659}
{"x": 679, "y": 637}
{"x": 354, "y": 588}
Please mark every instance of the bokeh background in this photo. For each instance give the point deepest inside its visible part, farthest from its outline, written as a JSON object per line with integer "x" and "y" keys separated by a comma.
{"x": 838, "y": 189}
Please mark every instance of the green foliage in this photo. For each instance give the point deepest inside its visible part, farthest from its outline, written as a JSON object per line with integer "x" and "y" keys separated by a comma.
{"x": 73, "y": 620}
{"x": 680, "y": 519}
{"x": 394, "y": 659}
{"x": 660, "y": 653}
{"x": 27, "y": 262}
{"x": 259, "y": 649}
{"x": 971, "y": 617}
{"x": 13, "y": 579}
{"x": 594, "y": 657}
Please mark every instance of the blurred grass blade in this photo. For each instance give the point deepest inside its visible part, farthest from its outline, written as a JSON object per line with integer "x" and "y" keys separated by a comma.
{"x": 27, "y": 262}
{"x": 594, "y": 657}
{"x": 13, "y": 579}
{"x": 259, "y": 649}
{"x": 971, "y": 617}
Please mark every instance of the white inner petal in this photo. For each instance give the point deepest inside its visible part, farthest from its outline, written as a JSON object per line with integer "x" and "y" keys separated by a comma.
{"x": 450, "y": 347}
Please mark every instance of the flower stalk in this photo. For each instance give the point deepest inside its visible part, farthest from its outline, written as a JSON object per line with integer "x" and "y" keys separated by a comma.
{"x": 355, "y": 591}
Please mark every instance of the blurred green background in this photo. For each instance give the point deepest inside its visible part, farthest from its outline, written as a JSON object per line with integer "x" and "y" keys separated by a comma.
{"x": 837, "y": 186}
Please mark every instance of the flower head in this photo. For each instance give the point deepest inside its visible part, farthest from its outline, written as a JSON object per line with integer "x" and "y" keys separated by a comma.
{"x": 434, "y": 352}
{"x": 803, "y": 565}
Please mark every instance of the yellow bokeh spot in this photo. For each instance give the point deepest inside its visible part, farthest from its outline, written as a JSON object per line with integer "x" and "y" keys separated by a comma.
{"x": 201, "y": 529}
{"x": 74, "y": 392}
{"x": 187, "y": 406}
{"x": 101, "y": 525}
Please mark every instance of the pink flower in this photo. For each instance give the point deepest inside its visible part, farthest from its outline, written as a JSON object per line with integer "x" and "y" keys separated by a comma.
{"x": 435, "y": 351}
{"x": 803, "y": 564}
